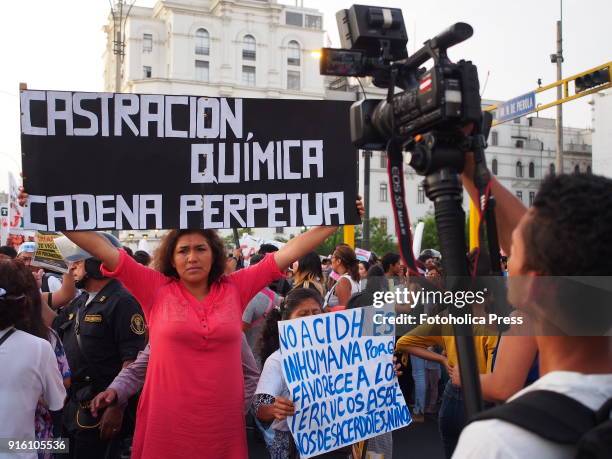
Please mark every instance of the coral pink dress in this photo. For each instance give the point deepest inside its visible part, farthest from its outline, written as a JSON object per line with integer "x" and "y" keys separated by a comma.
{"x": 192, "y": 401}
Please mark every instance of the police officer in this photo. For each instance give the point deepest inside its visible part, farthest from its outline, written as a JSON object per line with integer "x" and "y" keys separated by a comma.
{"x": 103, "y": 330}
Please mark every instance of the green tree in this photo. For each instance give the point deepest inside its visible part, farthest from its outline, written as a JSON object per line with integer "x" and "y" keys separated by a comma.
{"x": 430, "y": 233}
{"x": 380, "y": 241}
{"x": 330, "y": 243}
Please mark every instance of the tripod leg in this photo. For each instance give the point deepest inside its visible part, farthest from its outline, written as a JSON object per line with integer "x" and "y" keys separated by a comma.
{"x": 445, "y": 189}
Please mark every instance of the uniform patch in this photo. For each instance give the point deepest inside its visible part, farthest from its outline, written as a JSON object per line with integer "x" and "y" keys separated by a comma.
{"x": 137, "y": 324}
{"x": 93, "y": 318}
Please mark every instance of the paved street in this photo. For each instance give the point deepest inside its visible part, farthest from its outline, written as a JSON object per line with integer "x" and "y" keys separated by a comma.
{"x": 414, "y": 442}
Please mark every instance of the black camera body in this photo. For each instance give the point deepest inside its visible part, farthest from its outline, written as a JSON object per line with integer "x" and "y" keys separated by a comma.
{"x": 443, "y": 98}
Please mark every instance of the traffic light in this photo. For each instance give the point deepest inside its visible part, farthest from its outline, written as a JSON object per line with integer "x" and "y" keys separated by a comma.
{"x": 593, "y": 79}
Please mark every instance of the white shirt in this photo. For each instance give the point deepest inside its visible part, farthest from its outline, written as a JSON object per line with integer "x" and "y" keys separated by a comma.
{"x": 493, "y": 439}
{"x": 332, "y": 300}
{"x": 271, "y": 382}
{"x": 29, "y": 372}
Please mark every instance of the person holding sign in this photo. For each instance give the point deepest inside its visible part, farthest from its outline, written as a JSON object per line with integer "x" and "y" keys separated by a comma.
{"x": 192, "y": 401}
{"x": 272, "y": 404}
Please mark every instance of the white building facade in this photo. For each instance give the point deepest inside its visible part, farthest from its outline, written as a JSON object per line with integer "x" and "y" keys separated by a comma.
{"x": 602, "y": 133}
{"x": 218, "y": 48}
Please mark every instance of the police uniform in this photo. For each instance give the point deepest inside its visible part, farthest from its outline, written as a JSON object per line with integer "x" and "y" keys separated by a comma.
{"x": 98, "y": 336}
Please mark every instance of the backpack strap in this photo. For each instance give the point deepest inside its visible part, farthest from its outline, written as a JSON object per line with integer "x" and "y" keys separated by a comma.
{"x": 551, "y": 415}
{"x": 7, "y": 335}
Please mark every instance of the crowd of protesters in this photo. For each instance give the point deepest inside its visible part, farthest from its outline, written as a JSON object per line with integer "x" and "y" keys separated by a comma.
{"x": 174, "y": 355}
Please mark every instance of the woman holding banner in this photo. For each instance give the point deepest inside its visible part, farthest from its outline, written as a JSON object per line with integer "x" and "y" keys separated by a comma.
{"x": 272, "y": 404}
{"x": 192, "y": 401}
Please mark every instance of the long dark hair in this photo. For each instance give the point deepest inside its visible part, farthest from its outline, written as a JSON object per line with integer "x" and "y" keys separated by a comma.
{"x": 309, "y": 271}
{"x": 22, "y": 306}
{"x": 269, "y": 342}
{"x": 347, "y": 257}
{"x": 165, "y": 253}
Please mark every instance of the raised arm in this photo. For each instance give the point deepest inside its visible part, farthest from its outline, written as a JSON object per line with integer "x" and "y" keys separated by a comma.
{"x": 306, "y": 242}
{"x": 89, "y": 241}
{"x": 64, "y": 295}
{"x": 301, "y": 245}
{"x": 98, "y": 246}
{"x": 508, "y": 209}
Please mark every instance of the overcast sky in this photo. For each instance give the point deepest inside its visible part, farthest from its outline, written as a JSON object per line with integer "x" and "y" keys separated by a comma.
{"x": 59, "y": 44}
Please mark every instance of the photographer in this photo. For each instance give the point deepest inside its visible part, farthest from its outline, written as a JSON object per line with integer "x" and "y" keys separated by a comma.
{"x": 568, "y": 232}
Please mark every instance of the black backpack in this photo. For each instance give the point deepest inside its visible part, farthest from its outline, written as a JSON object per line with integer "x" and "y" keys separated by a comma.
{"x": 560, "y": 419}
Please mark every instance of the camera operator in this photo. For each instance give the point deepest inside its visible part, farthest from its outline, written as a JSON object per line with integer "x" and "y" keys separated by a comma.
{"x": 567, "y": 232}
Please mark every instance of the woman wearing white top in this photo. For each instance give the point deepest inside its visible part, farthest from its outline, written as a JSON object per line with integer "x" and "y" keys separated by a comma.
{"x": 343, "y": 262}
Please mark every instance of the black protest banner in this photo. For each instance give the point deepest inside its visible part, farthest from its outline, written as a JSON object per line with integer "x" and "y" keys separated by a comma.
{"x": 137, "y": 161}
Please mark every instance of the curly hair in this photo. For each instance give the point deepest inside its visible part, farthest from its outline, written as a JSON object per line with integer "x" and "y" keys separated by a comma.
{"x": 569, "y": 233}
{"x": 269, "y": 342}
{"x": 165, "y": 253}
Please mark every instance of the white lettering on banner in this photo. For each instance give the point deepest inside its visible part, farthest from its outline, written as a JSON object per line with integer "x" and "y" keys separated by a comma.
{"x": 263, "y": 158}
{"x": 208, "y": 117}
{"x": 95, "y": 211}
{"x": 79, "y": 110}
{"x": 341, "y": 380}
{"x": 242, "y": 209}
{"x": 169, "y": 130}
{"x": 55, "y": 114}
{"x": 26, "y": 118}
{"x": 222, "y": 153}
{"x": 126, "y": 105}
{"x": 148, "y": 116}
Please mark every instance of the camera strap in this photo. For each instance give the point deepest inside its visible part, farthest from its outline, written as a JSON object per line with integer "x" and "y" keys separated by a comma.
{"x": 395, "y": 170}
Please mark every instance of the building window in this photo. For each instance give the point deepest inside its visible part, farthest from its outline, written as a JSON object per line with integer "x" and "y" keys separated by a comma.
{"x": 519, "y": 144}
{"x": 494, "y": 166}
{"x": 313, "y": 22}
{"x": 248, "y": 75}
{"x": 293, "y": 80}
{"x": 517, "y": 121}
{"x": 576, "y": 169}
{"x": 293, "y": 53}
{"x": 202, "y": 71}
{"x": 383, "y": 195}
{"x": 202, "y": 45}
{"x": 383, "y": 160}
{"x": 519, "y": 194}
{"x": 494, "y": 138}
{"x": 146, "y": 71}
{"x": 248, "y": 48}
{"x": 383, "y": 224}
{"x": 531, "y": 170}
{"x": 551, "y": 169}
{"x": 519, "y": 169}
{"x": 421, "y": 195}
{"x": 147, "y": 43}
{"x": 531, "y": 198}
{"x": 589, "y": 170}
{"x": 279, "y": 230}
{"x": 294, "y": 19}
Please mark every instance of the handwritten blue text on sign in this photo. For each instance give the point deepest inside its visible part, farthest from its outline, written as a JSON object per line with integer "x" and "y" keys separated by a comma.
{"x": 341, "y": 380}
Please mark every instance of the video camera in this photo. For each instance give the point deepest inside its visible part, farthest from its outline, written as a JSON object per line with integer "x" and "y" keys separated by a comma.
{"x": 427, "y": 118}
{"x": 445, "y": 97}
